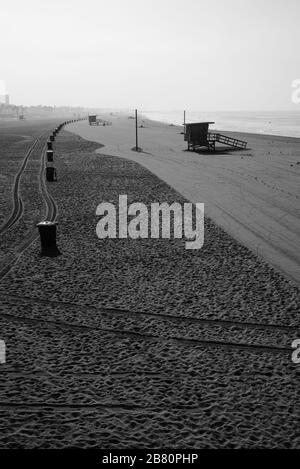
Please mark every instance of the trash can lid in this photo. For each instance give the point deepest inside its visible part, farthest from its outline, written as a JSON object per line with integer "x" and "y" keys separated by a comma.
{"x": 46, "y": 223}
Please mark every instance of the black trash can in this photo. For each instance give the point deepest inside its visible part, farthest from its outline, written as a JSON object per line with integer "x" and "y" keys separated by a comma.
{"x": 52, "y": 138}
{"x": 51, "y": 174}
{"x": 49, "y": 145}
{"x": 50, "y": 156}
{"x": 47, "y": 231}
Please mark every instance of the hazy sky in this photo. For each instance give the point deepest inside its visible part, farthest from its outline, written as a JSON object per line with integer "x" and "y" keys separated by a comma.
{"x": 151, "y": 54}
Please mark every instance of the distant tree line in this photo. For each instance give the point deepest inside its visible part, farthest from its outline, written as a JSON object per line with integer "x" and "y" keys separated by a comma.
{"x": 11, "y": 110}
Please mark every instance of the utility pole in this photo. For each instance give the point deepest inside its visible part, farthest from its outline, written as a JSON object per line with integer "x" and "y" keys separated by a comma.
{"x": 136, "y": 131}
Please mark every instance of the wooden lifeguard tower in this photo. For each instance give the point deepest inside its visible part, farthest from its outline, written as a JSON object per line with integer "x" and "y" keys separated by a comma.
{"x": 197, "y": 135}
{"x": 95, "y": 120}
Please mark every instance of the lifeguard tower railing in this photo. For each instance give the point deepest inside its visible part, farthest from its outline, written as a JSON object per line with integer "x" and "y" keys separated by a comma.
{"x": 225, "y": 140}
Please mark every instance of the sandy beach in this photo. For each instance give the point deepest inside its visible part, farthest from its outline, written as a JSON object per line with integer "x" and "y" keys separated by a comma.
{"x": 139, "y": 343}
{"x": 253, "y": 194}
{"x": 149, "y": 231}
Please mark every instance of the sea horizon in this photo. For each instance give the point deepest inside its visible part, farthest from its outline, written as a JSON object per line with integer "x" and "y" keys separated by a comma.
{"x": 277, "y": 123}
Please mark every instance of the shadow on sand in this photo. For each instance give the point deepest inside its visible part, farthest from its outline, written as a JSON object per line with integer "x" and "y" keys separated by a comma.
{"x": 220, "y": 151}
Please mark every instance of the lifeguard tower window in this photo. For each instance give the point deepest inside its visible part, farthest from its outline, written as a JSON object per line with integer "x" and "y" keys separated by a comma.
{"x": 197, "y": 135}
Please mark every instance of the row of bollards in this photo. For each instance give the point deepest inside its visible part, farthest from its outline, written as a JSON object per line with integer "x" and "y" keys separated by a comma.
{"x": 47, "y": 229}
{"x": 51, "y": 173}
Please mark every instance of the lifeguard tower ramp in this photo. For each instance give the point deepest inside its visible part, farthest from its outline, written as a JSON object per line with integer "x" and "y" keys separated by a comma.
{"x": 197, "y": 135}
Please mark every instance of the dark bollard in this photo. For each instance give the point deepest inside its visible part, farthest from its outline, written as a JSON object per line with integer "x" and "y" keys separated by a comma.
{"x": 47, "y": 230}
{"x": 50, "y": 156}
{"x": 51, "y": 174}
{"x": 49, "y": 145}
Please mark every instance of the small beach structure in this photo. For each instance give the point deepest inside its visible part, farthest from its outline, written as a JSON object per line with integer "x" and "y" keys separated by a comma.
{"x": 197, "y": 135}
{"x": 47, "y": 231}
{"x": 51, "y": 174}
{"x": 95, "y": 120}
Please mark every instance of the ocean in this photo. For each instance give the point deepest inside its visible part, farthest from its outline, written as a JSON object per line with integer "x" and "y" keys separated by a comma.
{"x": 284, "y": 123}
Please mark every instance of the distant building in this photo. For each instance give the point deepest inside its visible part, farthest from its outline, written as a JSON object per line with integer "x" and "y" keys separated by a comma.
{"x": 4, "y": 99}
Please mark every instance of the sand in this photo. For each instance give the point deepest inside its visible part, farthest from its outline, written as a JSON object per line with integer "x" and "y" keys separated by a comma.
{"x": 16, "y": 138}
{"x": 253, "y": 194}
{"x": 139, "y": 343}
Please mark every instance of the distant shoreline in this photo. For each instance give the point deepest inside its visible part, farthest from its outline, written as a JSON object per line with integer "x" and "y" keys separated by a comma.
{"x": 231, "y": 132}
